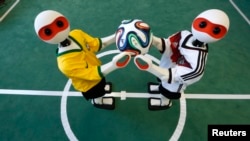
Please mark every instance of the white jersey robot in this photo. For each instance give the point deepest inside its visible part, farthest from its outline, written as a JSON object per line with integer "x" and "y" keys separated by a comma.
{"x": 184, "y": 56}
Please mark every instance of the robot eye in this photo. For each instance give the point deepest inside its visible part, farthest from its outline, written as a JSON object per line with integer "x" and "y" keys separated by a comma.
{"x": 59, "y": 24}
{"x": 216, "y": 30}
{"x": 202, "y": 24}
{"x": 47, "y": 31}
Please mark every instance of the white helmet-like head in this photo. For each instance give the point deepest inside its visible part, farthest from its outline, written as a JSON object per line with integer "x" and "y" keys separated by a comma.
{"x": 51, "y": 26}
{"x": 210, "y": 26}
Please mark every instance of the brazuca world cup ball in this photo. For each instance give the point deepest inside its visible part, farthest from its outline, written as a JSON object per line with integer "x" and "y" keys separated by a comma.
{"x": 134, "y": 36}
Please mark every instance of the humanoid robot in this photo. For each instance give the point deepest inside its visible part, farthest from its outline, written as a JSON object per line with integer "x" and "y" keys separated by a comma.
{"x": 184, "y": 56}
{"x": 76, "y": 57}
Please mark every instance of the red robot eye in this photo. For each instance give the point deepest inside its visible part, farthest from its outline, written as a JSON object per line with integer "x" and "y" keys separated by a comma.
{"x": 203, "y": 24}
{"x": 214, "y": 30}
{"x": 47, "y": 31}
{"x": 59, "y": 23}
{"x": 51, "y": 30}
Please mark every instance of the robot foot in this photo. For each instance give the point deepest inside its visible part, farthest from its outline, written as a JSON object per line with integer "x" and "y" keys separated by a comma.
{"x": 108, "y": 87}
{"x": 155, "y": 104}
{"x": 107, "y": 103}
{"x": 153, "y": 88}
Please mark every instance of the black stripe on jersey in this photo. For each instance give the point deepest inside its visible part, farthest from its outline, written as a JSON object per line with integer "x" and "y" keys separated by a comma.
{"x": 170, "y": 76}
{"x": 184, "y": 45}
{"x": 200, "y": 61}
{"x": 163, "y": 46}
{"x": 199, "y": 69}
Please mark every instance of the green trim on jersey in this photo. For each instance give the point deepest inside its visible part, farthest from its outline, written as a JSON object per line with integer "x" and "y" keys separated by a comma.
{"x": 100, "y": 45}
{"x": 100, "y": 72}
{"x": 73, "y": 50}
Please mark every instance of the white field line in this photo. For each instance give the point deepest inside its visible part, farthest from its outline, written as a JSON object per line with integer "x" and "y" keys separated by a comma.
{"x": 8, "y": 11}
{"x": 64, "y": 116}
{"x": 240, "y": 12}
{"x": 123, "y": 94}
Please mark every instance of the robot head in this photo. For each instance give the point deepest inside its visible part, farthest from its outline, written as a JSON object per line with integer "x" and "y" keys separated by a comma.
{"x": 51, "y": 27}
{"x": 210, "y": 26}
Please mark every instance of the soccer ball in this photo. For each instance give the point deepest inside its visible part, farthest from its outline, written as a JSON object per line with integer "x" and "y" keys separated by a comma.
{"x": 134, "y": 36}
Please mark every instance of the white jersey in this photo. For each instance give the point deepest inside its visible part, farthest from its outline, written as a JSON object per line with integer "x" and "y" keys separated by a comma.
{"x": 185, "y": 61}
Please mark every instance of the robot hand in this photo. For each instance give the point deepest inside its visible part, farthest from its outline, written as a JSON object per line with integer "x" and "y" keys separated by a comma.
{"x": 146, "y": 64}
{"x": 143, "y": 63}
{"x": 119, "y": 61}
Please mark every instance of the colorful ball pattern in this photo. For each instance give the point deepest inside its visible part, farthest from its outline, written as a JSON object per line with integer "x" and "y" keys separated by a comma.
{"x": 134, "y": 36}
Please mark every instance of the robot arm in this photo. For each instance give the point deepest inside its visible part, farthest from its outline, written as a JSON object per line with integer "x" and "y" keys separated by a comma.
{"x": 119, "y": 61}
{"x": 146, "y": 64}
{"x": 106, "y": 41}
{"x": 157, "y": 42}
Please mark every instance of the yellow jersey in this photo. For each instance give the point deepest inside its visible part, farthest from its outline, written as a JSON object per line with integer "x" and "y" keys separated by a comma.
{"x": 78, "y": 61}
